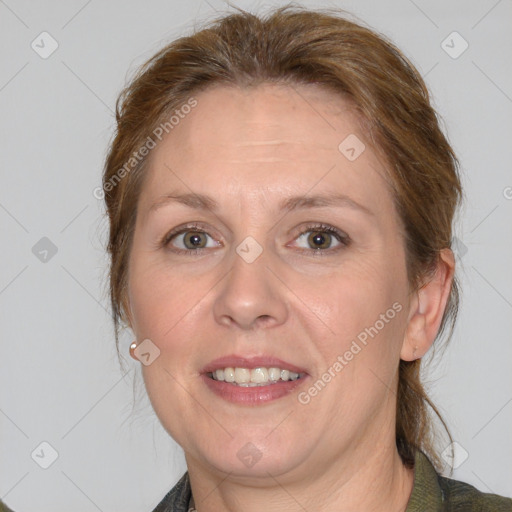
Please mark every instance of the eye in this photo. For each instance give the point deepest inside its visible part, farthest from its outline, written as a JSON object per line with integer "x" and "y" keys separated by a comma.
{"x": 189, "y": 239}
{"x": 321, "y": 238}
{"x": 192, "y": 240}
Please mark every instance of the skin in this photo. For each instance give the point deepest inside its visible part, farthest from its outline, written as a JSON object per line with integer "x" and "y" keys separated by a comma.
{"x": 249, "y": 150}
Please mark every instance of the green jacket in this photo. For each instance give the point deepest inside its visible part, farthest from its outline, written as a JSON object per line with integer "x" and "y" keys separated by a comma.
{"x": 431, "y": 493}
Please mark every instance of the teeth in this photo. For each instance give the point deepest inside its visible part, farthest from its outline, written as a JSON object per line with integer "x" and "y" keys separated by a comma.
{"x": 274, "y": 374}
{"x": 229, "y": 374}
{"x": 246, "y": 377}
{"x": 242, "y": 375}
{"x": 259, "y": 375}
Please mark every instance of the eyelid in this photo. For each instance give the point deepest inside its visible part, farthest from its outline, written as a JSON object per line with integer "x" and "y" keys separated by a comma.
{"x": 342, "y": 237}
{"x": 184, "y": 228}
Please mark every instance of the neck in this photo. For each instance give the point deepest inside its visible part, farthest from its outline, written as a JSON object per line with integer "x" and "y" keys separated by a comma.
{"x": 380, "y": 483}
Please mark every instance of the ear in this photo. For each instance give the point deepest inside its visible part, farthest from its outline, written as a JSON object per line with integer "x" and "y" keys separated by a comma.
{"x": 427, "y": 307}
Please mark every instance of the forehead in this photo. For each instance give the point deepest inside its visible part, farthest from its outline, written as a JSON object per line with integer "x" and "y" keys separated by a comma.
{"x": 266, "y": 138}
{"x": 283, "y": 119}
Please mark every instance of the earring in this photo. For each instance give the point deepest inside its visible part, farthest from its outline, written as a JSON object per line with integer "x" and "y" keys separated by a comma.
{"x": 133, "y": 346}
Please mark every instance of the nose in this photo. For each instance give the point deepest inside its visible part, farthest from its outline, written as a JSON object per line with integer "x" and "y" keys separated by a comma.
{"x": 251, "y": 296}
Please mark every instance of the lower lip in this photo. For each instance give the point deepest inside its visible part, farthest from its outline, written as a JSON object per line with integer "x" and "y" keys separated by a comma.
{"x": 256, "y": 395}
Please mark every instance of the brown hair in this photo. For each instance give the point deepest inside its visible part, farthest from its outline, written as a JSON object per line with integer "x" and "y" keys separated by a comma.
{"x": 297, "y": 46}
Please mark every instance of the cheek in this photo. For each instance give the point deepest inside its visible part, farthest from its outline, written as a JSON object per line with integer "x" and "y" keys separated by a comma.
{"x": 363, "y": 307}
{"x": 367, "y": 316}
{"x": 167, "y": 312}
{"x": 159, "y": 298}
{"x": 360, "y": 292}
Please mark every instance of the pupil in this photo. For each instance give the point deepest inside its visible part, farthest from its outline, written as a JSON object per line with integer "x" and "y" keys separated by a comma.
{"x": 194, "y": 239}
{"x": 319, "y": 240}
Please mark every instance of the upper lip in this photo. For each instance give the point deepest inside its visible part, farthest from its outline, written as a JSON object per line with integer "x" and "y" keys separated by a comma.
{"x": 236, "y": 361}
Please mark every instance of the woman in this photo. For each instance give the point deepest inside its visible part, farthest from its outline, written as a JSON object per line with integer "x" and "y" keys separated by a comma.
{"x": 280, "y": 198}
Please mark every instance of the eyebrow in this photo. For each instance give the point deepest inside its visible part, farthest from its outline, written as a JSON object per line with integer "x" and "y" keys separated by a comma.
{"x": 194, "y": 201}
{"x": 204, "y": 202}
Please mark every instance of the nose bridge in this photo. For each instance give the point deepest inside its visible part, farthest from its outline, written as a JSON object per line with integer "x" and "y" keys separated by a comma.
{"x": 250, "y": 293}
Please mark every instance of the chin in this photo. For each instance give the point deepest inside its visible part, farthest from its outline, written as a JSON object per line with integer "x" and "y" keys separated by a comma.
{"x": 244, "y": 458}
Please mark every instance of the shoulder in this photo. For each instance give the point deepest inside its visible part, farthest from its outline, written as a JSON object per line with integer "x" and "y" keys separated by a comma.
{"x": 463, "y": 496}
{"x": 433, "y": 492}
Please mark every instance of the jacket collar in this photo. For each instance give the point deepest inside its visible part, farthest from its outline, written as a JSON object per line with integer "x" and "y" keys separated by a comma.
{"x": 426, "y": 492}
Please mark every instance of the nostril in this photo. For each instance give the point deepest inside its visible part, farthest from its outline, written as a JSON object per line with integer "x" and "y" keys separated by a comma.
{"x": 264, "y": 319}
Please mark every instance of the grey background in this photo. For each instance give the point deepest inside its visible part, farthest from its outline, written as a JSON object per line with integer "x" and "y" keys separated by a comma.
{"x": 59, "y": 379}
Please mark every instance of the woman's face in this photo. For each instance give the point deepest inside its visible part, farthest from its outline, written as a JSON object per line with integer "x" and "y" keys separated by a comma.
{"x": 266, "y": 237}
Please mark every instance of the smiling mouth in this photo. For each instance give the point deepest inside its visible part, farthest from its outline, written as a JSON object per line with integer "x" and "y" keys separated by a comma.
{"x": 254, "y": 377}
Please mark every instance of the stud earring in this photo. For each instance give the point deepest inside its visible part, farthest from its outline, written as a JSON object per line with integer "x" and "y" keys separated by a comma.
{"x": 133, "y": 346}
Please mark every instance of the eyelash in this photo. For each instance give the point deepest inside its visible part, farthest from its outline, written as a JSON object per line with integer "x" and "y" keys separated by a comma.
{"x": 175, "y": 232}
{"x": 343, "y": 238}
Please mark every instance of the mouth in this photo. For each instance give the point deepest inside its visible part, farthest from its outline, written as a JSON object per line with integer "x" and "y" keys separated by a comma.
{"x": 254, "y": 377}
{"x": 252, "y": 381}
